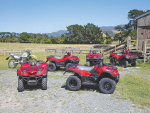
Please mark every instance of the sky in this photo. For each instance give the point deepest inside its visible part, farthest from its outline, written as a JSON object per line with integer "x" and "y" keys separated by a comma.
{"x": 46, "y": 16}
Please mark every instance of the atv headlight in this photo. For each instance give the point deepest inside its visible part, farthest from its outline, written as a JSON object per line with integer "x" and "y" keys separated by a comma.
{"x": 127, "y": 57}
{"x": 114, "y": 72}
{"x": 39, "y": 72}
{"x": 24, "y": 72}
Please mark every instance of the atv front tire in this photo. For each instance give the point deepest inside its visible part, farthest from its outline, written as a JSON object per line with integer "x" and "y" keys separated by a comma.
{"x": 20, "y": 85}
{"x": 88, "y": 63}
{"x": 11, "y": 63}
{"x": 134, "y": 64}
{"x": 69, "y": 65}
{"x": 51, "y": 67}
{"x": 107, "y": 85}
{"x": 73, "y": 83}
{"x": 44, "y": 83}
{"x": 125, "y": 63}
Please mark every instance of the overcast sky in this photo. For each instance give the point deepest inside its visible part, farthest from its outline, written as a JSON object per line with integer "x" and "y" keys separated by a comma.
{"x": 45, "y": 16}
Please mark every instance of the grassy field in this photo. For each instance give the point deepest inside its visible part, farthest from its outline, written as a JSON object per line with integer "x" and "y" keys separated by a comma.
{"x": 10, "y": 46}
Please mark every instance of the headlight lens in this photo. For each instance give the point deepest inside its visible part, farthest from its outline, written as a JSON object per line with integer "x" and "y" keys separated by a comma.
{"x": 39, "y": 72}
{"x": 115, "y": 72}
{"x": 24, "y": 72}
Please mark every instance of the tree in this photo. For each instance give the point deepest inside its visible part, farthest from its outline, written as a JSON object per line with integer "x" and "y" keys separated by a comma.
{"x": 108, "y": 38}
{"x": 24, "y": 37}
{"x": 132, "y": 15}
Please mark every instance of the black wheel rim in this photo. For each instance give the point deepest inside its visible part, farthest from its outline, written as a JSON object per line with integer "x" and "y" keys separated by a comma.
{"x": 51, "y": 67}
{"x": 107, "y": 86}
{"x": 73, "y": 83}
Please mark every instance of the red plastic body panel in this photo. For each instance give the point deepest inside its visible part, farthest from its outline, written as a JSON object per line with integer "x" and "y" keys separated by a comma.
{"x": 123, "y": 54}
{"x": 94, "y": 55}
{"x": 99, "y": 68}
{"x": 65, "y": 58}
{"x": 28, "y": 70}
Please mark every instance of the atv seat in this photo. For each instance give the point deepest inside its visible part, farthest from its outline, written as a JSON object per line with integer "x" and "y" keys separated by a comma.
{"x": 85, "y": 68}
{"x": 57, "y": 57}
{"x": 119, "y": 54}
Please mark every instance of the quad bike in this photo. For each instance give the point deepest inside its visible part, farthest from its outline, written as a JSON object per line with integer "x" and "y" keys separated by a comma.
{"x": 104, "y": 76}
{"x": 65, "y": 61}
{"x": 123, "y": 59}
{"x": 93, "y": 59}
{"x": 31, "y": 74}
{"x": 20, "y": 59}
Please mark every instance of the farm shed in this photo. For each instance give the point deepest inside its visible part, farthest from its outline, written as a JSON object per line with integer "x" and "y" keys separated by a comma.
{"x": 143, "y": 31}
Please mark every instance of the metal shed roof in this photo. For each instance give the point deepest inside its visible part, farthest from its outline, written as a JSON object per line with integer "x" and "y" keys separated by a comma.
{"x": 143, "y": 15}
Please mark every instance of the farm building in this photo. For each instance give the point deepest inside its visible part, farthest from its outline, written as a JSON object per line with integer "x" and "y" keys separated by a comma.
{"x": 143, "y": 30}
{"x": 143, "y": 34}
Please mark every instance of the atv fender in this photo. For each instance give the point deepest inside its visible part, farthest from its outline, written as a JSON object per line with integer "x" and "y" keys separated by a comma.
{"x": 105, "y": 74}
{"x": 50, "y": 60}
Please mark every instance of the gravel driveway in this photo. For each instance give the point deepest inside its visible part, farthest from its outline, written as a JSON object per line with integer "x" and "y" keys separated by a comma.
{"x": 57, "y": 99}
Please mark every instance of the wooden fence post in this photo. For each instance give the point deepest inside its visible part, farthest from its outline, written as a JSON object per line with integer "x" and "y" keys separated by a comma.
{"x": 144, "y": 51}
{"x": 115, "y": 48}
{"x": 4, "y": 52}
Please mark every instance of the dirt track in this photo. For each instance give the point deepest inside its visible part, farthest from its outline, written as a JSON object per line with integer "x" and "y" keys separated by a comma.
{"x": 57, "y": 99}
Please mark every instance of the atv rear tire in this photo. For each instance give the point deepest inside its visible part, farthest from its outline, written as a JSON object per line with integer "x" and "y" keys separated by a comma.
{"x": 73, "y": 83}
{"x": 125, "y": 63}
{"x": 11, "y": 63}
{"x": 20, "y": 85}
{"x": 44, "y": 83}
{"x": 134, "y": 64}
{"x": 69, "y": 65}
{"x": 107, "y": 85}
{"x": 88, "y": 63}
{"x": 51, "y": 67}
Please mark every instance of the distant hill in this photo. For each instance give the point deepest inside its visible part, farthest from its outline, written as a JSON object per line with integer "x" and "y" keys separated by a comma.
{"x": 109, "y": 29}
{"x": 57, "y": 34}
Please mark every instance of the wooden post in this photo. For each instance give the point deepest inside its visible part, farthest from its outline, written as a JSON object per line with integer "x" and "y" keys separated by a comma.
{"x": 144, "y": 51}
{"x": 4, "y": 52}
{"x": 55, "y": 51}
{"x": 127, "y": 44}
{"x": 115, "y": 48}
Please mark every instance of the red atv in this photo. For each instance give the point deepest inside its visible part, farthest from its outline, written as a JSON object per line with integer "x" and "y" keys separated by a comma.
{"x": 65, "y": 61}
{"x": 104, "y": 76}
{"x": 31, "y": 73}
{"x": 123, "y": 59}
{"x": 93, "y": 59}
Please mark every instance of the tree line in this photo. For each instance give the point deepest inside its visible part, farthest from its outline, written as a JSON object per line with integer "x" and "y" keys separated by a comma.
{"x": 77, "y": 34}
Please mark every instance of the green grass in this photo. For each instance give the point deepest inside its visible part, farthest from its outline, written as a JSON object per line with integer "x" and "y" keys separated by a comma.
{"x": 20, "y": 46}
{"x": 135, "y": 87}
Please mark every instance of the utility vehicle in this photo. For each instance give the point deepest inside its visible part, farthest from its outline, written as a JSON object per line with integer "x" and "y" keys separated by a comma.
{"x": 65, "y": 61}
{"x": 94, "y": 58}
{"x": 104, "y": 76}
{"x": 123, "y": 59}
{"x": 31, "y": 74}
